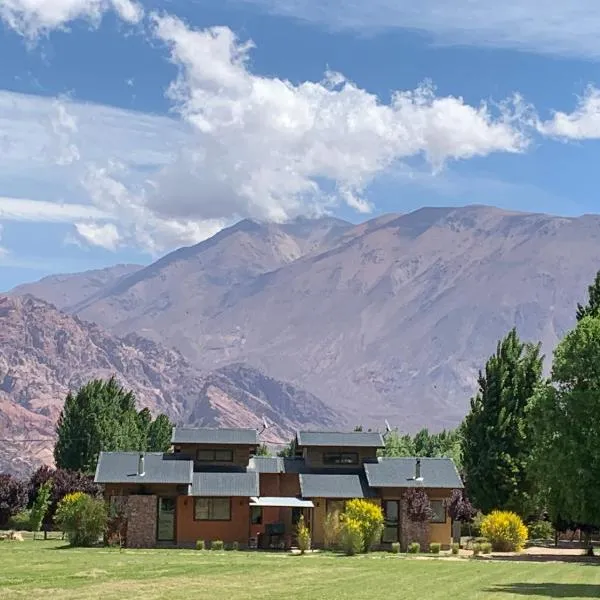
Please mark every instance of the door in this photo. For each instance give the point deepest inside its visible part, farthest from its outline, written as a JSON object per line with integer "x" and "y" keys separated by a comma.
{"x": 391, "y": 510}
{"x": 165, "y": 526}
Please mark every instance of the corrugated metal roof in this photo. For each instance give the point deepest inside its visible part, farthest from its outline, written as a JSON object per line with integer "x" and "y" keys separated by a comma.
{"x": 334, "y": 486}
{"x": 203, "y": 435}
{"x": 354, "y": 439}
{"x": 400, "y": 472}
{"x": 225, "y": 484}
{"x": 276, "y": 464}
{"x": 122, "y": 467}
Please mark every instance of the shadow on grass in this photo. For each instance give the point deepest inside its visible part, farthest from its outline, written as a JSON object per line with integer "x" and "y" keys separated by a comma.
{"x": 548, "y": 590}
{"x": 566, "y": 558}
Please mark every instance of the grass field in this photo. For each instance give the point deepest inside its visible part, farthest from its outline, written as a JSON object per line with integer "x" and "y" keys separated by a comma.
{"x": 41, "y": 569}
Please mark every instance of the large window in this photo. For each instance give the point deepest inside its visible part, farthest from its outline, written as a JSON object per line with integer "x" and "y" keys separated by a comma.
{"x": 256, "y": 515}
{"x": 214, "y": 455}
{"x": 438, "y": 507}
{"x": 340, "y": 458}
{"x": 391, "y": 509}
{"x": 212, "y": 509}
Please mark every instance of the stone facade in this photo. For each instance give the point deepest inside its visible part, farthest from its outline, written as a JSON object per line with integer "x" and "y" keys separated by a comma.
{"x": 411, "y": 531}
{"x": 140, "y": 520}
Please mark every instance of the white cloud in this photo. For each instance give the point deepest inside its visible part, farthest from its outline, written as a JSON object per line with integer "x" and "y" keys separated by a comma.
{"x": 105, "y": 236}
{"x": 263, "y": 146}
{"x": 3, "y": 250}
{"x": 582, "y": 124}
{"x": 32, "y": 18}
{"x": 40, "y": 211}
{"x": 561, "y": 28}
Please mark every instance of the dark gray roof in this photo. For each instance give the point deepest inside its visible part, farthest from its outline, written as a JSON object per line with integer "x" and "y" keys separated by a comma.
{"x": 400, "y": 472}
{"x": 186, "y": 435}
{"x": 276, "y": 464}
{"x": 225, "y": 484}
{"x": 122, "y": 467}
{"x": 367, "y": 439}
{"x": 334, "y": 486}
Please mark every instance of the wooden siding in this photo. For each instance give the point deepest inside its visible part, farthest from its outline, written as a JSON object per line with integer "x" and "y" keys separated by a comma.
{"x": 314, "y": 456}
{"x": 241, "y": 454}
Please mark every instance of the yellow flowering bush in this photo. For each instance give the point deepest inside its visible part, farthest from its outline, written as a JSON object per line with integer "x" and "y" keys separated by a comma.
{"x": 351, "y": 537}
{"x": 82, "y": 517}
{"x": 369, "y": 517}
{"x": 505, "y": 530}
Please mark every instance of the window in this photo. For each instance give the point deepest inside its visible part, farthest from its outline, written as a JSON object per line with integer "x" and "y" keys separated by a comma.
{"x": 212, "y": 455}
{"x": 256, "y": 515}
{"x": 438, "y": 508}
{"x": 340, "y": 458}
{"x": 335, "y": 506}
{"x": 391, "y": 509}
{"x": 212, "y": 509}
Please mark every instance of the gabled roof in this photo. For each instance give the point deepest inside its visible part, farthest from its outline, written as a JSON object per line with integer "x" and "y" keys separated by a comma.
{"x": 225, "y": 484}
{"x": 400, "y": 472}
{"x": 204, "y": 435}
{"x": 276, "y": 464}
{"x": 334, "y": 486}
{"x": 122, "y": 467}
{"x": 335, "y": 439}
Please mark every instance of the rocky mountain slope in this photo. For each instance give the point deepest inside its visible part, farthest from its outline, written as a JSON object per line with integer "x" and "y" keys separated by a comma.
{"x": 45, "y": 353}
{"x": 391, "y": 318}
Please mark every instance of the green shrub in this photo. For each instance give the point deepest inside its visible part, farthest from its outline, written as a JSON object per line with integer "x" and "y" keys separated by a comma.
{"x": 332, "y": 529}
{"x": 486, "y": 548}
{"x": 303, "y": 535}
{"x": 396, "y": 548}
{"x": 200, "y": 545}
{"x": 455, "y": 548}
{"x": 414, "y": 548}
{"x": 40, "y": 506}
{"x": 21, "y": 521}
{"x": 369, "y": 517}
{"x": 476, "y": 549}
{"x": 504, "y": 530}
{"x": 235, "y": 546}
{"x": 541, "y": 530}
{"x": 217, "y": 545}
{"x": 82, "y": 518}
{"x": 435, "y": 547}
{"x": 351, "y": 537}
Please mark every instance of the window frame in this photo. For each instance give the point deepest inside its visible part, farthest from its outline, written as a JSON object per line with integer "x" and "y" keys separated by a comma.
{"x": 210, "y": 500}
{"x": 434, "y": 519}
{"x": 214, "y": 452}
{"x": 256, "y": 510}
{"x": 329, "y": 459}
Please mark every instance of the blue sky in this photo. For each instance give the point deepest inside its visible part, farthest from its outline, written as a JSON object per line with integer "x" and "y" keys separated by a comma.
{"x": 130, "y": 128}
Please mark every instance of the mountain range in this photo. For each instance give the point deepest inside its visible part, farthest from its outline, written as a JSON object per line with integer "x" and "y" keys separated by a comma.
{"x": 319, "y": 321}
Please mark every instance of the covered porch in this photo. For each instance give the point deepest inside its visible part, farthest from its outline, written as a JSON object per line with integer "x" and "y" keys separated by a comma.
{"x": 273, "y": 521}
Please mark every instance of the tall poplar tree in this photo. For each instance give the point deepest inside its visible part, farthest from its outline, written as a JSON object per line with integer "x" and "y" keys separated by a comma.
{"x": 495, "y": 445}
{"x": 592, "y": 308}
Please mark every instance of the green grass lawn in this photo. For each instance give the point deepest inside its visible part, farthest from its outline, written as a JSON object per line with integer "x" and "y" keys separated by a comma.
{"x": 49, "y": 570}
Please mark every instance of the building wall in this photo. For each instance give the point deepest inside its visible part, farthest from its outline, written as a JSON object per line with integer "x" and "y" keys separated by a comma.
{"x": 241, "y": 454}
{"x": 314, "y": 456}
{"x": 140, "y": 516}
{"x": 235, "y": 530}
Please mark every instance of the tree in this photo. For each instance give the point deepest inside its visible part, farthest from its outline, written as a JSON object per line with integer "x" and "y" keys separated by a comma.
{"x": 159, "y": 434}
{"x": 592, "y": 308}
{"x": 263, "y": 450}
{"x": 460, "y": 508}
{"x": 566, "y": 431}
{"x": 103, "y": 416}
{"x": 13, "y": 498}
{"x": 40, "y": 506}
{"x": 495, "y": 445}
{"x": 418, "y": 505}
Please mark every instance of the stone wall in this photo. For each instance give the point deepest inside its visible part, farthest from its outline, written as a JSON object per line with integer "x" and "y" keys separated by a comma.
{"x": 140, "y": 520}
{"x": 411, "y": 531}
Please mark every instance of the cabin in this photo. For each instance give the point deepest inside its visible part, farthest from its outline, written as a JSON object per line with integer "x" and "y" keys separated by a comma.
{"x": 213, "y": 486}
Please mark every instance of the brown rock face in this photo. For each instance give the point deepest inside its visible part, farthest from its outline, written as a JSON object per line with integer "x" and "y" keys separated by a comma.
{"x": 45, "y": 353}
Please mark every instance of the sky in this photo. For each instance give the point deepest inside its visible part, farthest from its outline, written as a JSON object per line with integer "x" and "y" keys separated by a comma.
{"x": 130, "y": 128}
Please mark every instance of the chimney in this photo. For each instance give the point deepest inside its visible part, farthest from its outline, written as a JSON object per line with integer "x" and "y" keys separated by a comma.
{"x": 141, "y": 471}
{"x": 418, "y": 470}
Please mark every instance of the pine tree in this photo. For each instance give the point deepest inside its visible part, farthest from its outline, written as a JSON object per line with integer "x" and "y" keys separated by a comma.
{"x": 592, "y": 308}
{"x": 495, "y": 448}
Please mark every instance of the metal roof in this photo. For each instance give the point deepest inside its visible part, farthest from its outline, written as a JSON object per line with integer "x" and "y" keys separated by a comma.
{"x": 276, "y": 464}
{"x": 225, "y": 484}
{"x": 122, "y": 467}
{"x": 400, "y": 472}
{"x": 281, "y": 501}
{"x": 188, "y": 435}
{"x": 354, "y": 439}
{"x": 334, "y": 486}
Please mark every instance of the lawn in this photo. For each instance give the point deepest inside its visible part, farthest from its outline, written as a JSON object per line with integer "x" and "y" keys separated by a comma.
{"x": 41, "y": 569}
